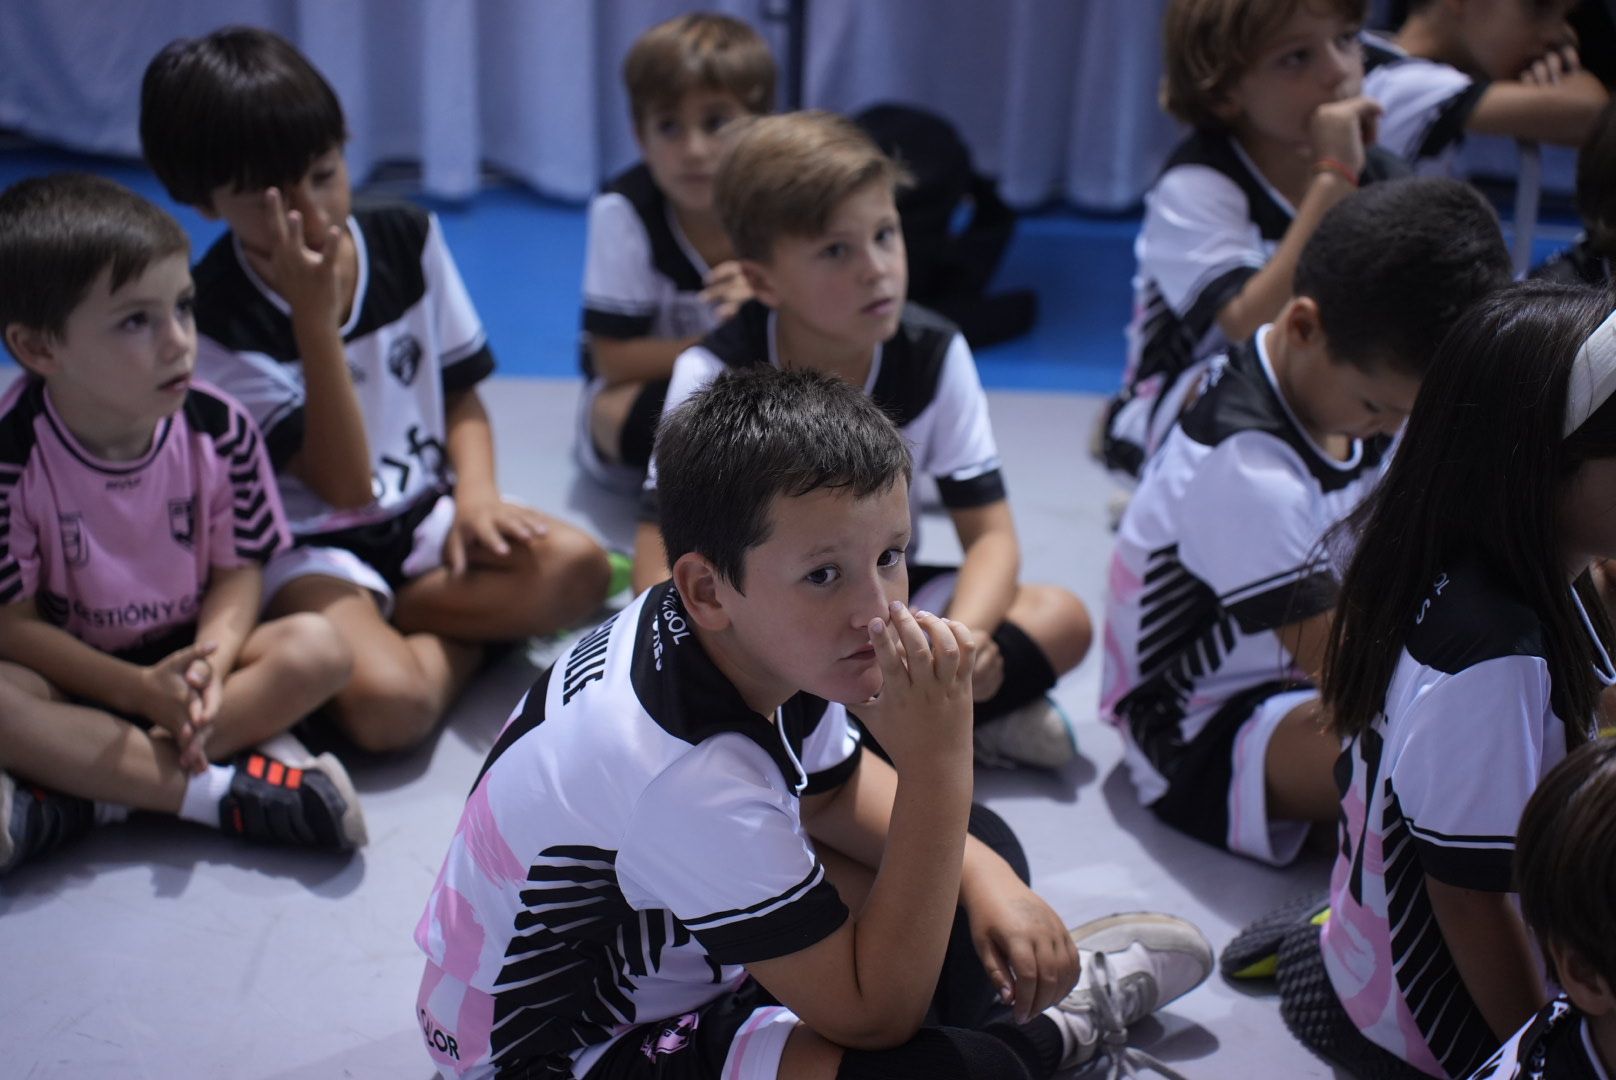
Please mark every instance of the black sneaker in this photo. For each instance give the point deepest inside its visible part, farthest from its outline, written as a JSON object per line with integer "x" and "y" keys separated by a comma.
{"x": 34, "y": 820}
{"x": 275, "y": 803}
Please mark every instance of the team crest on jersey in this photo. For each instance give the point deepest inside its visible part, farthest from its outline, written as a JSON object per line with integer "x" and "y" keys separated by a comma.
{"x": 404, "y": 359}
{"x": 182, "y": 521}
{"x": 74, "y": 547}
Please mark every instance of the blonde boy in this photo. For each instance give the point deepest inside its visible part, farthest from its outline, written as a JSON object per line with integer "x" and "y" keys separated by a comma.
{"x": 658, "y": 268}
{"x": 807, "y": 200}
{"x": 1282, "y": 132}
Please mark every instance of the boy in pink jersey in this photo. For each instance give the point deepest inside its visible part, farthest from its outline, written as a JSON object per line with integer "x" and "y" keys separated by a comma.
{"x": 136, "y": 511}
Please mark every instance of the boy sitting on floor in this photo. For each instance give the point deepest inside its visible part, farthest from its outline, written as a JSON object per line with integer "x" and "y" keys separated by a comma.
{"x": 807, "y": 199}
{"x": 658, "y": 269}
{"x": 677, "y": 860}
{"x": 351, "y": 339}
{"x": 1221, "y": 594}
{"x": 136, "y": 511}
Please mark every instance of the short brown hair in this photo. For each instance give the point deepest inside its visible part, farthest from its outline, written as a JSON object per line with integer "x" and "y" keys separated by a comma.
{"x": 1565, "y": 856}
{"x": 60, "y": 233}
{"x": 1207, "y": 45}
{"x": 785, "y": 175}
{"x": 701, "y": 50}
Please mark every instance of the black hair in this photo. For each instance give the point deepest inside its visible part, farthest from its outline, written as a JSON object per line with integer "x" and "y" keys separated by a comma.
{"x": 757, "y": 433}
{"x": 239, "y": 107}
{"x": 1565, "y": 857}
{"x": 1396, "y": 264}
{"x": 59, "y": 233}
{"x": 1481, "y": 472}
{"x": 1596, "y": 184}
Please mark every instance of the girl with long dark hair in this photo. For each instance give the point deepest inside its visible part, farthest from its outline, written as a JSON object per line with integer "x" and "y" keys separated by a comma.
{"x": 1467, "y": 656}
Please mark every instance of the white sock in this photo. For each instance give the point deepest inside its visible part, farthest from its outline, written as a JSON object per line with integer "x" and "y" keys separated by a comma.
{"x": 108, "y": 813}
{"x": 1076, "y": 1030}
{"x": 203, "y": 792}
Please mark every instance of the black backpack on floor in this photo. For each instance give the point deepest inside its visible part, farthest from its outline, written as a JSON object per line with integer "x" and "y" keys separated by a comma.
{"x": 949, "y": 270}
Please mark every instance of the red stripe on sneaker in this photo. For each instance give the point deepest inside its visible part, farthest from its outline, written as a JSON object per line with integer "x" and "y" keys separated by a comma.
{"x": 255, "y": 766}
{"x": 277, "y": 772}
{"x": 235, "y": 815}
{"x": 294, "y": 778}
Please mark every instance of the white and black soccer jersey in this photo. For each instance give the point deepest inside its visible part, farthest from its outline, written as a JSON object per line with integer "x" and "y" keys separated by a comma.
{"x": 634, "y": 838}
{"x": 1219, "y": 548}
{"x": 923, "y": 377}
{"x": 642, "y": 277}
{"x": 1427, "y": 104}
{"x": 1211, "y": 222}
{"x": 1435, "y": 788}
{"x": 1556, "y": 1044}
{"x": 412, "y": 338}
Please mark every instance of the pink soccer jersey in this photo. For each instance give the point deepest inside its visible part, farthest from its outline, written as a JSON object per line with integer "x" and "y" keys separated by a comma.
{"x": 120, "y": 553}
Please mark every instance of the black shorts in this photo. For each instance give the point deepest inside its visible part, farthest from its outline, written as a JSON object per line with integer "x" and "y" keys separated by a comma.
{"x": 689, "y": 1047}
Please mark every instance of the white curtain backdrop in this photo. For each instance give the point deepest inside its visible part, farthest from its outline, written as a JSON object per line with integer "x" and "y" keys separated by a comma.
{"x": 1056, "y": 97}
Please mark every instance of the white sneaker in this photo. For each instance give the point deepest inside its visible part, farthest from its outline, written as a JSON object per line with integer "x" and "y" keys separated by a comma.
{"x": 1036, "y": 734}
{"x": 1132, "y": 965}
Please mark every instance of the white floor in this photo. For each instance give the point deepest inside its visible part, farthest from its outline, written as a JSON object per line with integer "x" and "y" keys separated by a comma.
{"x": 155, "y": 949}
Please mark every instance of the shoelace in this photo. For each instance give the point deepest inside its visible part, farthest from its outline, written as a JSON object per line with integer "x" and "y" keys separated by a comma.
{"x": 1109, "y": 1010}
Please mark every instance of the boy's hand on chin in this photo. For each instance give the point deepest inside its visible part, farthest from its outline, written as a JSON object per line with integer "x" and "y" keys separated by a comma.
{"x": 922, "y": 716}
{"x": 1342, "y": 129}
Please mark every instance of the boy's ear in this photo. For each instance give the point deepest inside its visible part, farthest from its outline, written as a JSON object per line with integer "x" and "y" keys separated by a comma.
{"x": 32, "y": 347}
{"x": 697, "y": 582}
{"x": 1584, "y": 985}
{"x": 759, "y": 277}
{"x": 1300, "y": 322}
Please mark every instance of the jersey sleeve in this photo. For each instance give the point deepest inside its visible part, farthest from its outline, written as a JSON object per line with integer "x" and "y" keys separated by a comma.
{"x": 715, "y": 843}
{"x": 1473, "y": 756}
{"x": 271, "y": 392}
{"x": 1198, "y": 243}
{"x": 620, "y": 283}
{"x": 693, "y": 370}
{"x": 464, "y": 357}
{"x": 1248, "y": 526}
{"x": 247, "y": 523}
{"x": 959, "y": 450}
{"x": 830, "y": 753}
{"x": 19, "y": 539}
{"x": 1427, "y": 106}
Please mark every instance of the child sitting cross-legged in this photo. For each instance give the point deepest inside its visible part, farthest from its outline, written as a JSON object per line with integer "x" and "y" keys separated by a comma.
{"x": 678, "y": 860}
{"x": 807, "y": 199}
{"x": 658, "y": 269}
{"x": 1221, "y": 597}
{"x": 349, "y": 335}
{"x": 138, "y": 510}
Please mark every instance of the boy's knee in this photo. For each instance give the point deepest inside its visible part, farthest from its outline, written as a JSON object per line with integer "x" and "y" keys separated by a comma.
{"x": 1058, "y": 622}
{"x": 574, "y": 572}
{"x": 386, "y": 706}
{"x": 309, "y": 650}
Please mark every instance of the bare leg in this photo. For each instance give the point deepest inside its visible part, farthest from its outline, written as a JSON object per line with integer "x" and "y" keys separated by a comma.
{"x": 402, "y": 684}
{"x": 607, "y": 415}
{"x": 82, "y": 751}
{"x": 287, "y": 668}
{"x": 548, "y": 583}
{"x": 1057, "y": 622}
{"x": 1299, "y": 768}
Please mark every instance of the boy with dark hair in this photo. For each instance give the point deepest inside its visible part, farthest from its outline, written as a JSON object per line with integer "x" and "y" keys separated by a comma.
{"x": 807, "y": 199}
{"x": 138, "y": 509}
{"x": 1221, "y": 591}
{"x": 658, "y": 268}
{"x": 1589, "y": 260}
{"x": 351, "y": 339}
{"x": 1282, "y": 132}
{"x": 1493, "y": 67}
{"x": 678, "y": 861}
{"x": 1565, "y": 872}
